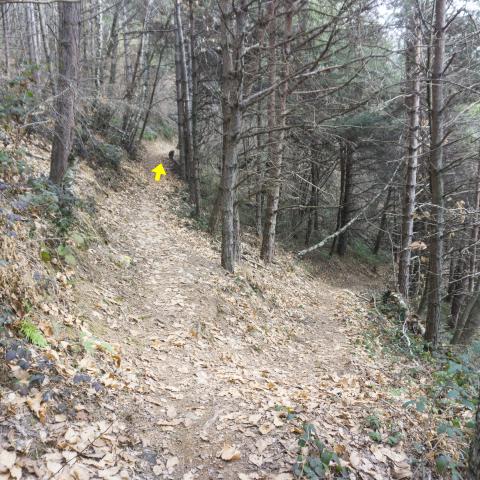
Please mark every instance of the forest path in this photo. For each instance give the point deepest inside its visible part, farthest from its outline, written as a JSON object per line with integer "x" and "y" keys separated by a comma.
{"x": 210, "y": 360}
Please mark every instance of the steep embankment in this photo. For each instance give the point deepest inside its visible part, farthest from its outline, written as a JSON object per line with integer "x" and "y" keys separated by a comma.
{"x": 185, "y": 371}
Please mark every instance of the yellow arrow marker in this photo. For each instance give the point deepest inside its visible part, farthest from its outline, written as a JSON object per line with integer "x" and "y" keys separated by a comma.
{"x": 158, "y": 171}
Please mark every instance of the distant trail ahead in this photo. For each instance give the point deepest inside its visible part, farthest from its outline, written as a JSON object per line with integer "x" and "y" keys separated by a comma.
{"x": 214, "y": 362}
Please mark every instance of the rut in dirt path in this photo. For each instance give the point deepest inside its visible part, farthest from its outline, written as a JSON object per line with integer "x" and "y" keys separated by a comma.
{"x": 214, "y": 359}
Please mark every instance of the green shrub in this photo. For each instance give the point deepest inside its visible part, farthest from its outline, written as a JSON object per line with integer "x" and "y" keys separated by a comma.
{"x": 16, "y": 97}
{"x": 166, "y": 129}
{"x": 319, "y": 461}
{"x": 31, "y": 332}
{"x": 149, "y": 134}
{"x": 109, "y": 155}
{"x": 364, "y": 253}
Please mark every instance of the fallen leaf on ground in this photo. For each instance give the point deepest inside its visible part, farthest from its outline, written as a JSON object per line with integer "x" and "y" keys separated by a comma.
{"x": 229, "y": 453}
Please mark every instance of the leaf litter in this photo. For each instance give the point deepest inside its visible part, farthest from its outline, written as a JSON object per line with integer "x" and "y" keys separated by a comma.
{"x": 186, "y": 372}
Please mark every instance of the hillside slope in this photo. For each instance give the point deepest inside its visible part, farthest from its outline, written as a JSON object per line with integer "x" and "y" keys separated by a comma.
{"x": 190, "y": 372}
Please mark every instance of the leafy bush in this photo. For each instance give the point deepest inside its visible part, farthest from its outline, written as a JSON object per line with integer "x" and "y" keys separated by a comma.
{"x": 149, "y": 134}
{"x": 109, "y": 155}
{"x": 314, "y": 459}
{"x": 16, "y": 97}
{"x": 166, "y": 129}
{"x": 449, "y": 396}
{"x": 49, "y": 200}
{"x": 364, "y": 253}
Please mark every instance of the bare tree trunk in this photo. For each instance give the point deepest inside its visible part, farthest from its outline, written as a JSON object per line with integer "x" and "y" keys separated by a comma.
{"x": 32, "y": 39}
{"x": 215, "y": 213}
{"x": 413, "y": 52}
{"x": 260, "y": 165}
{"x": 187, "y": 106}
{"x": 46, "y": 48}
{"x": 5, "y": 41}
{"x": 459, "y": 287}
{"x": 68, "y": 52}
{"x": 259, "y": 197}
{"x": 152, "y": 94}
{"x": 383, "y": 224}
{"x": 346, "y": 204}
{"x": 266, "y": 251}
{"x": 232, "y": 35}
{"x": 312, "y": 223}
{"x": 436, "y": 176}
{"x": 475, "y": 232}
{"x": 112, "y": 48}
{"x": 469, "y": 322}
{"x": 182, "y": 147}
{"x": 127, "y": 124}
{"x": 276, "y": 141}
{"x": 193, "y": 112}
{"x": 98, "y": 46}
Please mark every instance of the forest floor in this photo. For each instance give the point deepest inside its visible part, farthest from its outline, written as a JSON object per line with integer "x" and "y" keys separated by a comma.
{"x": 205, "y": 374}
{"x": 218, "y": 361}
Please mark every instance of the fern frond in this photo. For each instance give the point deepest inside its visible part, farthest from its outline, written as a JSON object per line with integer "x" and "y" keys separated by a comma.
{"x": 33, "y": 334}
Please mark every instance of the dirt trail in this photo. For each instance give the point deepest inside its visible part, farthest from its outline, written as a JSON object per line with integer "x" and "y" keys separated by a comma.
{"x": 210, "y": 360}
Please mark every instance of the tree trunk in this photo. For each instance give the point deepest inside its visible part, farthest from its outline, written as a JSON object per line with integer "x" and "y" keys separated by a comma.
{"x": 182, "y": 147}
{"x": 383, "y": 224}
{"x": 31, "y": 25}
{"x": 312, "y": 204}
{"x": 46, "y": 48}
{"x": 469, "y": 322}
{"x": 68, "y": 51}
{"x": 5, "y": 41}
{"x": 346, "y": 203}
{"x": 266, "y": 251}
{"x": 193, "y": 112}
{"x": 459, "y": 286}
{"x": 186, "y": 100}
{"x": 412, "y": 103}
{"x": 132, "y": 83}
{"x": 276, "y": 141}
{"x": 111, "y": 52}
{"x": 475, "y": 232}
{"x": 436, "y": 177}
{"x": 232, "y": 35}
{"x": 98, "y": 47}
{"x": 152, "y": 94}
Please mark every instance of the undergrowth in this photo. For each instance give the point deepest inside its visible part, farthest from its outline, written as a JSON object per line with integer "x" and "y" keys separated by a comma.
{"x": 314, "y": 460}
{"x": 450, "y": 380}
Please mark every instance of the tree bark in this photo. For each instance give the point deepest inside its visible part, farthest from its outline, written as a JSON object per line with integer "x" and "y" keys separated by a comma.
{"x": 383, "y": 224}
{"x": 68, "y": 52}
{"x": 346, "y": 201}
{"x": 98, "y": 47}
{"x": 186, "y": 99}
{"x": 46, "y": 48}
{"x": 193, "y": 112}
{"x": 436, "y": 177}
{"x": 111, "y": 52}
{"x": 182, "y": 147}
{"x": 475, "y": 232}
{"x": 276, "y": 139}
{"x": 6, "y": 54}
{"x": 468, "y": 323}
{"x": 31, "y": 25}
{"x": 152, "y": 94}
{"x": 412, "y": 103}
{"x": 232, "y": 35}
